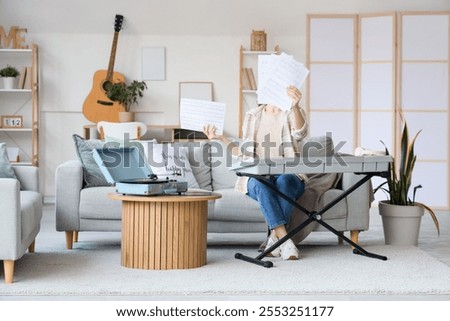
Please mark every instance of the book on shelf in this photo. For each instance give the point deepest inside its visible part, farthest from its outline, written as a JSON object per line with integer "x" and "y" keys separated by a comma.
{"x": 28, "y": 79}
{"x": 23, "y": 74}
{"x": 251, "y": 77}
{"x": 245, "y": 80}
{"x": 248, "y": 79}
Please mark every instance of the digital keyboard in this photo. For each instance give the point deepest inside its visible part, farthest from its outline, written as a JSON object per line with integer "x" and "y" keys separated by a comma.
{"x": 314, "y": 165}
{"x": 367, "y": 165}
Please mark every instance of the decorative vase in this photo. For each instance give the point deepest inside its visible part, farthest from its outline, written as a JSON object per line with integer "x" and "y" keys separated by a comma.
{"x": 126, "y": 116}
{"x": 9, "y": 82}
{"x": 401, "y": 223}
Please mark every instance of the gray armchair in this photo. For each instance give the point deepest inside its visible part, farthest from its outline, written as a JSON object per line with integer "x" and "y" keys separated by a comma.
{"x": 20, "y": 216}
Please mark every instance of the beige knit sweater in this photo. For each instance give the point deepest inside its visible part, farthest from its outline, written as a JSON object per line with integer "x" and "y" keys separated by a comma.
{"x": 261, "y": 130}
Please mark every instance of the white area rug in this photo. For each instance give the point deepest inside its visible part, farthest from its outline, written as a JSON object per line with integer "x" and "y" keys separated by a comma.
{"x": 93, "y": 268}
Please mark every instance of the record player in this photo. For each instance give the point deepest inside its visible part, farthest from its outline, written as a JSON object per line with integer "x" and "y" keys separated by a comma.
{"x": 129, "y": 171}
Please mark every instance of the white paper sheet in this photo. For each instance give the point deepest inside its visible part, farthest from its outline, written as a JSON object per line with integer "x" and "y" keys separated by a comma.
{"x": 275, "y": 74}
{"x": 194, "y": 114}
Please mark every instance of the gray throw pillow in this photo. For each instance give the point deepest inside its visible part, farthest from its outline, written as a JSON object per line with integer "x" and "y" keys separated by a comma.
{"x": 6, "y": 170}
{"x": 91, "y": 171}
{"x": 198, "y": 153}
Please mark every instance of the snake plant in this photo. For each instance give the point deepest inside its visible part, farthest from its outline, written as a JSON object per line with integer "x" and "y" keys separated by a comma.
{"x": 400, "y": 175}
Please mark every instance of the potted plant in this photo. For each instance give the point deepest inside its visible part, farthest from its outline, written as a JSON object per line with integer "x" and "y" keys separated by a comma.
{"x": 126, "y": 95}
{"x": 9, "y": 75}
{"x": 400, "y": 214}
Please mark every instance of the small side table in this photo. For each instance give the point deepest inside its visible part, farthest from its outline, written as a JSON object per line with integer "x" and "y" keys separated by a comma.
{"x": 164, "y": 232}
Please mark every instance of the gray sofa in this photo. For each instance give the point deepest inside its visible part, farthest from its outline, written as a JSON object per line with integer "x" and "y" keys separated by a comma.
{"x": 233, "y": 218}
{"x": 21, "y": 214}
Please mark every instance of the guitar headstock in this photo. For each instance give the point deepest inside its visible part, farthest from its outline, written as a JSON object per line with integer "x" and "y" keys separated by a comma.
{"x": 118, "y": 23}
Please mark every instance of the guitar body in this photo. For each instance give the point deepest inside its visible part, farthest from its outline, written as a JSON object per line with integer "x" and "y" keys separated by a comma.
{"x": 97, "y": 106}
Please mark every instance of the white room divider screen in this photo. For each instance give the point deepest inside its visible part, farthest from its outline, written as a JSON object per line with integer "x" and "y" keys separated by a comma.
{"x": 366, "y": 70}
{"x": 332, "y": 61}
{"x": 376, "y": 85}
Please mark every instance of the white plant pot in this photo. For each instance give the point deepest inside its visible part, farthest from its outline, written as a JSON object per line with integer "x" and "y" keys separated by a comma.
{"x": 126, "y": 116}
{"x": 401, "y": 224}
{"x": 9, "y": 82}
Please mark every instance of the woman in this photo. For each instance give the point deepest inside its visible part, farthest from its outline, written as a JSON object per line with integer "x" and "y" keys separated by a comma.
{"x": 273, "y": 133}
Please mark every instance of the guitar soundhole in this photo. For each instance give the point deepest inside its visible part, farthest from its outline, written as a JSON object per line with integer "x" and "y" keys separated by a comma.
{"x": 106, "y": 85}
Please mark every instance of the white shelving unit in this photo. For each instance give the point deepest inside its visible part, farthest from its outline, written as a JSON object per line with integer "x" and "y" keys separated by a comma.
{"x": 22, "y": 102}
{"x": 247, "y": 97}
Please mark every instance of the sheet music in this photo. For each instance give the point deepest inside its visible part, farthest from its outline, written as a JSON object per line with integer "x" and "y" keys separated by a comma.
{"x": 275, "y": 74}
{"x": 264, "y": 63}
{"x": 194, "y": 114}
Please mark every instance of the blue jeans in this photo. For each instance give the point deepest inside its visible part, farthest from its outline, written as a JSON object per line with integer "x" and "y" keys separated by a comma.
{"x": 276, "y": 210}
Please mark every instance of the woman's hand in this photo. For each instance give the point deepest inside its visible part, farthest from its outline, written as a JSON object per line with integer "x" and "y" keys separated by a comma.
{"x": 210, "y": 131}
{"x": 295, "y": 94}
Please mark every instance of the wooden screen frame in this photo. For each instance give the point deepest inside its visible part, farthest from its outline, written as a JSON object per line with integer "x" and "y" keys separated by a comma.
{"x": 397, "y": 93}
{"x": 399, "y": 103}
{"x": 309, "y": 62}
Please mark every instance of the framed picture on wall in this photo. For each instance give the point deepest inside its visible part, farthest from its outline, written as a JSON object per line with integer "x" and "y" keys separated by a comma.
{"x": 202, "y": 90}
{"x": 154, "y": 63}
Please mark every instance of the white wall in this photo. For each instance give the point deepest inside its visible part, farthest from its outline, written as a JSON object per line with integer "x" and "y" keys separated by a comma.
{"x": 201, "y": 37}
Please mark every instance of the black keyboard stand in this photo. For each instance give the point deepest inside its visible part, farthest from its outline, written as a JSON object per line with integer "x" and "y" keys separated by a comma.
{"x": 312, "y": 216}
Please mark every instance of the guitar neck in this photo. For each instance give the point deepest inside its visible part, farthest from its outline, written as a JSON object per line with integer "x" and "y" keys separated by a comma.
{"x": 112, "y": 57}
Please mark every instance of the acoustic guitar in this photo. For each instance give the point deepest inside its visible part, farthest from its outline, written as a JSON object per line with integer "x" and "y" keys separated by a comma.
{"x": 97, "y": 106}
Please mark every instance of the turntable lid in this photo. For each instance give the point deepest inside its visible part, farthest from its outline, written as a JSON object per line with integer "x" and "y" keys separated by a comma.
{"x": 122, "y": 163}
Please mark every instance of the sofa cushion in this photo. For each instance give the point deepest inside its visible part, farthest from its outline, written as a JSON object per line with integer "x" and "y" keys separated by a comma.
{"x": 317, "y": 146}
{"x": 92, "y": 174}
{"x": 235, "y": 206}
{"x": 198, "y": 154}
{"x": 166, "y": 159}
{"x": 339, "y": 210}
{"x": 221, "y": 160}
{"x": 95, "y": 204}
{"x": 6, "y": 170}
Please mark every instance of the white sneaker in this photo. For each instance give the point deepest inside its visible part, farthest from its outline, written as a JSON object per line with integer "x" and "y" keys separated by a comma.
{"x": 289, "y": 251}
{"x": 271, "y": 241}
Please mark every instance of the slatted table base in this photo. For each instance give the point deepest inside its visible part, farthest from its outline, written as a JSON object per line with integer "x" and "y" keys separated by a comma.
{"x": 164, "y": 235}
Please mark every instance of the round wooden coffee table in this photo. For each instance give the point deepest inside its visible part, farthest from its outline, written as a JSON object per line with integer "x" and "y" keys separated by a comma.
{"x": 164, "y": 232}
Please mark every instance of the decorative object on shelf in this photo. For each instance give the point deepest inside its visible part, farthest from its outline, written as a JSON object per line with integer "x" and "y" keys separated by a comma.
{"x": 258, "y": 40}
{"x": 14, "y": 39}
{"x": 402, "y": 216}
{"x": 126, "y": 95}
{"x": 9, "y": 75}
{"x": 97, "y": 106}
{"x": 13, "y": 154}
{"x": 13, "y": 121}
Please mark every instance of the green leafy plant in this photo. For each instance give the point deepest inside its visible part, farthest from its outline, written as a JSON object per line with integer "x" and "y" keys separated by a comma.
{"x": 126, "y": 94}
{"x": 9, "y": 71}
{"x": 400, "y": 175}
